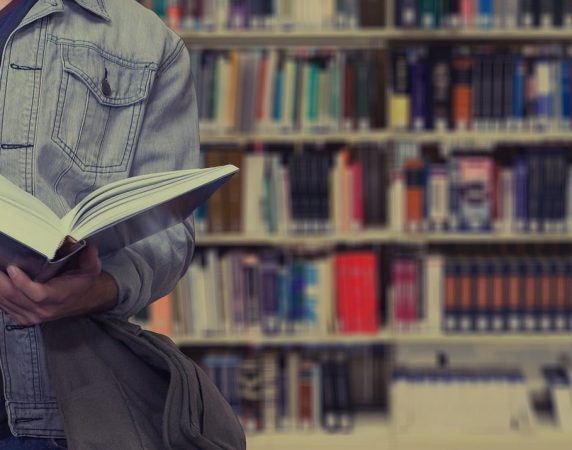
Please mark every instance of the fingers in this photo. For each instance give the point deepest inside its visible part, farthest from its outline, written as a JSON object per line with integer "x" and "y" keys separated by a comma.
{"x": 89, "y": 261}
{"x": 33, "y": 290}
{"x": 19, "y": 310}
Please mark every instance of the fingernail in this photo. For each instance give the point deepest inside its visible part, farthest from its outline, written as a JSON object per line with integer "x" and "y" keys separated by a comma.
{"x": 12, "y": 271}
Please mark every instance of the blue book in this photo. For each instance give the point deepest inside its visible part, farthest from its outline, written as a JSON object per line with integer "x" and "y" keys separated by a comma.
{"x": 278, "y": 94}
{"x": 310, "y": 305}
{"x": 521, "y": 193}
{"x": 269, "y": 286}
{"x": 485, "y": 14}
{"x": 566, "y": 91}
{"x": 284, "y": 294}
{"x": 453, "y": 222}
{"x": 518, "y": 89}
{"x": 418, "y": 79}
{"x": 297, "y": 296}
{"x": 428, "y": 13}
{"x": 407, "y": 13}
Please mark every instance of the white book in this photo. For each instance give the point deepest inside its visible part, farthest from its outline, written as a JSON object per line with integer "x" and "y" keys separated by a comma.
{"x": 433, "y": 292}
{"x": 252, "y": 218}
{"x": 199, "y": 303}
{"x": 396, "y": 201}
{"x": 215, "y": 312}
{"x": 226, "y": 293}
{"x": 113, "y": 216}
{"x": 268, "y": 92}
{"x": 284, "y": 213}
{"x": 326, "y": 299}
{"x": 221, "y": 14}
{"x": 289, "y": 94}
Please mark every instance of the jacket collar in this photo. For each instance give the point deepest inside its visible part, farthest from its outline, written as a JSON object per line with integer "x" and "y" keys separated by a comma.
{"x": 96, "y": 7}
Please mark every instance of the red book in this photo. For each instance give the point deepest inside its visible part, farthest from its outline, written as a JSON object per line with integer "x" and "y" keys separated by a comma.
{"x": 399, "y": 278}
{"x": 262, "y": 71}
{"x": 413, "y": 291}
{"x": 369, "y": 313}
{"x": 349, "y": 95}
{"x": 342, "y": 304}
{"x": 467, "y": 8}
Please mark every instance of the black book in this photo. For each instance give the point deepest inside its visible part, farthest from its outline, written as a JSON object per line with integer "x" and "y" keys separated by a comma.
{"x": 528, "y": 13}
{"x": 440, "y": 87}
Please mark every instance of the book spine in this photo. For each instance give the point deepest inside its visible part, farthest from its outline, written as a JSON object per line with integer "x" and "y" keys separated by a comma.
{"x": 461, "y": 88}
{"x": 407, "y": 14}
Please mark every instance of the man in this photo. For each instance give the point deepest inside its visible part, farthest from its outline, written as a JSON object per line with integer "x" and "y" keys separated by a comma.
{"x": 91, "y": 91}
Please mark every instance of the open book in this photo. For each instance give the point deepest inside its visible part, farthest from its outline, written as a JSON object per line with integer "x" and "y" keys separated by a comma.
{"x": 35, "y": 239}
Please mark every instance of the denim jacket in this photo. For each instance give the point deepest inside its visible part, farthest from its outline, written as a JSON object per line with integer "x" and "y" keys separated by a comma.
{"x": 91, "y": 91}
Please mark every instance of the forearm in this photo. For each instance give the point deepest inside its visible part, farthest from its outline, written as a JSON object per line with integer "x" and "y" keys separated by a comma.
{"x": 104, "y": 295}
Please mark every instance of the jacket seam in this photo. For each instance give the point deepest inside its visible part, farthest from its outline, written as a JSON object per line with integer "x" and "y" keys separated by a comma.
{"x": 104, "y": 53}
{"x": 171, "y": 58}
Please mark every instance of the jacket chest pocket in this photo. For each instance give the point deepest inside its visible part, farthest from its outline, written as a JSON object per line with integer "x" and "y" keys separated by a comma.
{"x": 100, "y": 107}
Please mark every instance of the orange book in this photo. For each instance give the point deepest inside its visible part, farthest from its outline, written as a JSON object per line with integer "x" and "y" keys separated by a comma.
{"x": 466, "y": 299}
{"x": 161, "y": 315}
{"x": 530, "y": 293}
{"x": 413, "y": 194}
{"x": 462, "y": 91}
{"x": 560, "y": 294}
{"x": 482, "y": 291}
{"x": 262, "y": 72}
{"x": 498, "y": 300}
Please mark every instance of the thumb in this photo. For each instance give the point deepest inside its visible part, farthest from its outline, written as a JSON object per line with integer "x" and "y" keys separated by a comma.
{"x": 89, "y": 261}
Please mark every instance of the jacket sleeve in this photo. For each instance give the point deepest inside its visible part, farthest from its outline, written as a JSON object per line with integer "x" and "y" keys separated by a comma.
{"x": 169, "y": 140}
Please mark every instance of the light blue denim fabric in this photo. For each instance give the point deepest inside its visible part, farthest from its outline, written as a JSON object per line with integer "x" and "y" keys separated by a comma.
{"x": 92, "y": 91}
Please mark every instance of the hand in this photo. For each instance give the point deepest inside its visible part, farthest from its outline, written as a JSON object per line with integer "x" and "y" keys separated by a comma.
{"x": 86, "y": 289}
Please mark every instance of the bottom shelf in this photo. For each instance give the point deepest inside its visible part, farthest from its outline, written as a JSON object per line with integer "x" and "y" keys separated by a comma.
{"x": 376, "y": 433}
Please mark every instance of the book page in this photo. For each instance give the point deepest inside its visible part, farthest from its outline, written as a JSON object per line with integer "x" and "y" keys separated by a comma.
{"x": 117, "y": 190}
{"x": 177, "y": 199}
{"x": 27, "y": 220}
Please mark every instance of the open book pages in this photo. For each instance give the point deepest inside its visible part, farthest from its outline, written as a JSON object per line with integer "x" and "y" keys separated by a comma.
{"x": 30, "y": 222}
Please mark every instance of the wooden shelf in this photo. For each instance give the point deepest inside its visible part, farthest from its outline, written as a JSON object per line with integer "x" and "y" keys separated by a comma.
{"x": 363, "y": 37}
{"x": 398, "y": 338}
{"x": 377, "y": 433}
{"x": 377, "y": 236}
{"x": 452, "y": 137}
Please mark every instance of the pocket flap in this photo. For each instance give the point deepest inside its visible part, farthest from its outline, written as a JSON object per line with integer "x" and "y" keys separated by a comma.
{"x": 113, "y": 81}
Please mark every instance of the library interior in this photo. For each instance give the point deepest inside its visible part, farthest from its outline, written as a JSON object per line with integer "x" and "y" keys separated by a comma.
{"x": 392, "y": 266}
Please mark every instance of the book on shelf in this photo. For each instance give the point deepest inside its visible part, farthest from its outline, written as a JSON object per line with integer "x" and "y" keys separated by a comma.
{"x": 245, "y": 293}
{"x": 271, "y": 15}
{"x": 483, "y": 14}
{"x": 282, "y": 90}
{"x": 484, "y": 88}
{"x": 35, "y": 239}
{"x": 321, "y": 189}
{"x": 506, "y": 189}
{"x": 299, "y": 389}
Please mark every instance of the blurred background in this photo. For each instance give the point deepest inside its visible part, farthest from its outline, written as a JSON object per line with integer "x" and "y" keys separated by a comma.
{"x": 392, "y": 266}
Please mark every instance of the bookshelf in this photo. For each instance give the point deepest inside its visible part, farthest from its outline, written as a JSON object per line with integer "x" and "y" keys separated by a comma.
{"x": 382, "y": 39}
{"x": 376, "y": 236}
{"x": 405, "y": 338}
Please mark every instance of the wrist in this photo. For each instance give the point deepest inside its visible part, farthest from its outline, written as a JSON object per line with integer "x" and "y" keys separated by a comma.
{"x": 105, "y": 293}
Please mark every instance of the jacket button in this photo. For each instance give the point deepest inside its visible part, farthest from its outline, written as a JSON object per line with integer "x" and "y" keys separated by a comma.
{"x": 105, "y": 87}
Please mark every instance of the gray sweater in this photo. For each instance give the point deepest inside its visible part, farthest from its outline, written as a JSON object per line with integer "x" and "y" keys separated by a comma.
{"x": 120, "y": 387}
